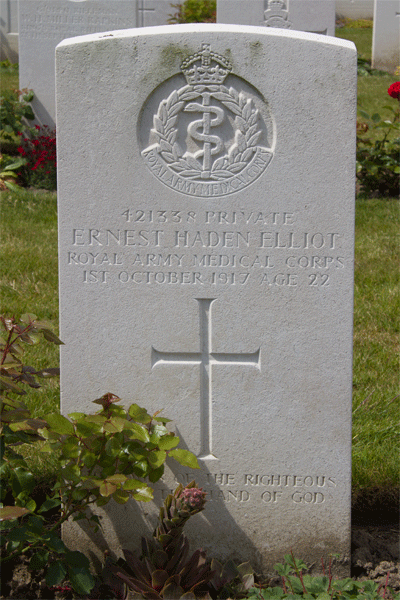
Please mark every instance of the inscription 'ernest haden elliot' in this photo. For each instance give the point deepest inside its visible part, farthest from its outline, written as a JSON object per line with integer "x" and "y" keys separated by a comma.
{"x": 160, "y": 240}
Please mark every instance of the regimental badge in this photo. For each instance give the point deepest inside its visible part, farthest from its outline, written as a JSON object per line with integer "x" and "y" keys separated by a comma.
{"x": 208, "y": 139}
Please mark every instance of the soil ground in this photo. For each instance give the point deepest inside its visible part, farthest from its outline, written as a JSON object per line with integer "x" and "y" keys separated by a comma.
{"x": 375, "y": 553}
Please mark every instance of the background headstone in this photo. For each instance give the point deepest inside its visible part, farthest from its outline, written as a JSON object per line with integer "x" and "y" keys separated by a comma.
{"x": 355, "y": 9}
{"x": 386, "y": 35}
{"x": 206, "y": 228}
{"x": 44, "y": 23}
{"x": 9, "y": 30}
{"x": 314, "y": 16}
{"x": 154, "y": 12}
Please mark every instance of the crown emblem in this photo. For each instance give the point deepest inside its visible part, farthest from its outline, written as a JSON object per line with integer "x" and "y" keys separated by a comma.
{"x": 206, "y": 67}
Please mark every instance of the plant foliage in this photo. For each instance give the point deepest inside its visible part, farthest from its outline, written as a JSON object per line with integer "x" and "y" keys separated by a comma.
{"x": 194, "y": 11}
{"x": 166, "y": 568}
{"x": 102, "y": 456}
{"x": 378, "y": 167}
{"x": 15, "y": 108}
{"x": 299, "y": 585}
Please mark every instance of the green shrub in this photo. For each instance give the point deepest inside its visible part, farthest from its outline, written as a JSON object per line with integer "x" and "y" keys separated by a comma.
{"x": 378, "y": 167}
{"x": 14, "y": 108}
{"x": 297, "y": 585}
{"x": 101, "y": 456}
{"x": 195, "y": 11}
{"x": 38, "y": 150}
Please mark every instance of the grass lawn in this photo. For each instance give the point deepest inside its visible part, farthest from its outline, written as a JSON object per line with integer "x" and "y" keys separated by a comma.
{"x": 28, "y": 283}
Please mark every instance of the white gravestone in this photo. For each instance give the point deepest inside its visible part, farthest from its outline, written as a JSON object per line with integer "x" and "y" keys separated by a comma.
{"x": 45, "y": 23}
{"x": 154, "y": 12}
{"x": 9, "y": 30}
{"x": 314, "y": 16}
{"x": 355, "y": 9}
{"x": 386, "y": 35}
{"x": 206, "y": 217}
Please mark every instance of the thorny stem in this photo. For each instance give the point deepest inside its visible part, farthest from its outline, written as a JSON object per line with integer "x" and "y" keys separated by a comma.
{"x": 302, "y": 582}
{"x": 330, "y": 572}
{"x": 298, "y": 573}
{"x": 386, "y": 584}
{"x": 9, "y": 343}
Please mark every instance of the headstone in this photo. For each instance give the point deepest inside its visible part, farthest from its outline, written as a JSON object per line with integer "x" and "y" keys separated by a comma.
{"x": 9, "y": 30}
{"x": 45, "y": 23}
{"x": 206, "y": 218}
{"x": 355, "y": 9}
{"x": 386, "y": 35}
{"x": 314, "y": 16}
{"x": 154, "y": 12}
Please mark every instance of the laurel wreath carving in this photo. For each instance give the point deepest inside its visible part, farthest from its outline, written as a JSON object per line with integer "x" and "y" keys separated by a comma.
{"x": 239, "y": 154}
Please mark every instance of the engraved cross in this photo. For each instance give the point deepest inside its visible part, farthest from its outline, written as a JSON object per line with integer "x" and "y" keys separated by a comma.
{"x": 206, "y": 359}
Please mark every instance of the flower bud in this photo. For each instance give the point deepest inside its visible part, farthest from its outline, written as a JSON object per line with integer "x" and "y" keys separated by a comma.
{"x": 193, "y": 498}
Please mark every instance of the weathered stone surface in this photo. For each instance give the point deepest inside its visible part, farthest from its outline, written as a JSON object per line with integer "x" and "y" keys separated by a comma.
{"x": 355, "y": 9}
{"x": 9, "y": 30}
{"x": 314, "y": 16}
{"x": 206, "y": 219}
{"x": 45, "y": 23}
{"x": 386, "y": 35}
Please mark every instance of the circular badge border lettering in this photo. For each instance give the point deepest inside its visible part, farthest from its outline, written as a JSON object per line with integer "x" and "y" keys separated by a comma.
{"x": 226, "y": 168}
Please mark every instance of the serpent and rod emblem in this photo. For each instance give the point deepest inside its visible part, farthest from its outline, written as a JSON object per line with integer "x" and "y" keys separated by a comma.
{"x": 206, "y": 138}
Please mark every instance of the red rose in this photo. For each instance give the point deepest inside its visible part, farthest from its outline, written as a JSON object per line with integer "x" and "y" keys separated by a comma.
{"x": 394, "y": 90}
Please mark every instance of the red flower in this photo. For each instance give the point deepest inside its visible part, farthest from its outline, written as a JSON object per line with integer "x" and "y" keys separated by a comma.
{"x": 394, "y": 90}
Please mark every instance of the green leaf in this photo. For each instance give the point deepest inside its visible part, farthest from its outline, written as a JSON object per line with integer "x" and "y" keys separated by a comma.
{"x": 81, "y": 579}
{"x": 113, "y": 446}
{"x": 39, "y": 560}
{"x": 133, "y": 484}
{"x": 120, "y": 496}
{"x": 49, "y": 504}
{"x": 156, "y": 474}
{"x": 56, "y": 573}
{"x": 7, "y": 384}
{"x": 60, "y": 424}
{"x": 74, "y": 558}
{"x": 139, "y": 414}
{"x": 144, "y": 495}
{"x": 376, "y": 117}
{"x": 51, "y": 337}
{"x": 79, "y": 493}
{"x": 118, "y": 478}
{"x": 141, "y": 468}
{"x": 75, "y": 416}
{"x": 56, "y": 544}
{"x": 86, "y": 429}
{"x": 23, "y": 481}
{"x": 114, "y": 425}
{"x": 17, "y": 535}
{"x": 185, "y": 458}
{"x": 88, "y": 458}
{"x": 71, "y": 448}
{"x": 28, "y": 97}
{"x": 137, "y": 432}
{"x": 107, "y": 488}
{"x": 102, "y": 501}
{"x": 71, "y": 473}
{"x": 364, "y": 114}
{"x": 156, "y": 458}
{"x": 7, "y": 513}
{"x": 166, "y": 442}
